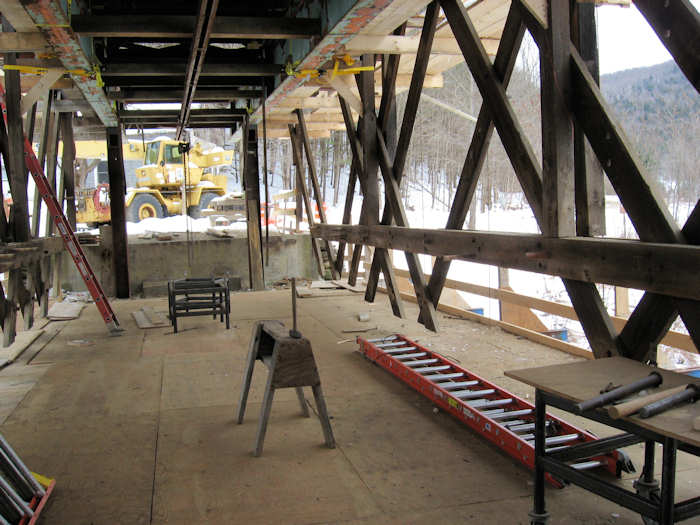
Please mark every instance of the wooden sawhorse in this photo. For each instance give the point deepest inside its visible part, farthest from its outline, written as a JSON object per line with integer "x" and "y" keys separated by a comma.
{"x": 291, "y": 363}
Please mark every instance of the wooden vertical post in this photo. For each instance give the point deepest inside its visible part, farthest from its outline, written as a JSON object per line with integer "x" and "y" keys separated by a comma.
{"x": 9, "y": 326}
{"x": 117, "y": 190}
{"x": 51, "y": 163}
{"x": 588, "y": 173}
{"x": 47, "y": 116}
{"x": 15, "y": 166}
{"x": 68, "y": 166}
{"x": 251, "y": 185}
{"x": 557, "y": 128}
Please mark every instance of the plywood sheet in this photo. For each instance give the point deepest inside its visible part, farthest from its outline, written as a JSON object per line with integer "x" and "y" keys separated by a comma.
{"x": 66, "y": 310}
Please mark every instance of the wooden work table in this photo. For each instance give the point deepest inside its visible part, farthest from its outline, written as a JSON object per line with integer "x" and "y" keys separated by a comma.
{"x": 563, "y": 386}
{"x": 584, "y": 380}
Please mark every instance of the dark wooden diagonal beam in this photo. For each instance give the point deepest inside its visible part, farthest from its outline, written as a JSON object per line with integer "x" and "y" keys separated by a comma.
{"x": 677, "y": 24}
{"x": 409, "y": 117}
{"x": 295, "y": 137}
{"x": 391, "y": 186}
{"x": 503, "y": 67}
{"x": 585, "y": 297}
{"x": 385, "y": 262}
{"x": 651, "y": 218}
{"x": 654, "y": 314}
{"x": 347, "y": 214}
{"x": 517, "y": 147}
{"x": 304, "y": 136}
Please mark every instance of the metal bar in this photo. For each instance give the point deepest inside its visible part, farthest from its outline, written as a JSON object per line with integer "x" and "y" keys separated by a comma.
{"x": 595, "y": 448}
{"x": 198, "y": 50}
{"x": 438, "y": 377}
{"x": 668, "y": 481}
{"x": 597, "y": 486}
{"x": 652, "y": 380}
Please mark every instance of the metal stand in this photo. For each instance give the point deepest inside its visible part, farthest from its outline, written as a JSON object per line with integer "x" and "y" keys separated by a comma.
{"x": 656, "y": 505}
{"x": 291, "y": 364}
{"x": 202, "y": 296}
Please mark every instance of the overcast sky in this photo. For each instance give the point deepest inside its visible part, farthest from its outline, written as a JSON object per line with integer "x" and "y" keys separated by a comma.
{"x": 626, "y": 40}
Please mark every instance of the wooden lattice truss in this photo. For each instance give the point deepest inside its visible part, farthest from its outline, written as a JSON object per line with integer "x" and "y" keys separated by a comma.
{"x": 575, "y": 122}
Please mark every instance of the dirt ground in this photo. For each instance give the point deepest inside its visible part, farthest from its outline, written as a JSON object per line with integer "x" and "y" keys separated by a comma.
{"x": 140, "y": 428}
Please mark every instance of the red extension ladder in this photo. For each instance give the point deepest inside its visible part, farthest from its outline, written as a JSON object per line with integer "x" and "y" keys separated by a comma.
{"x": 72, "y": 245}
{"x": 498, "y": 415}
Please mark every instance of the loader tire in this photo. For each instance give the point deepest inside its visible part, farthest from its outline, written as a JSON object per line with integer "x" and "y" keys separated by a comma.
{"x": 144, "y": 206}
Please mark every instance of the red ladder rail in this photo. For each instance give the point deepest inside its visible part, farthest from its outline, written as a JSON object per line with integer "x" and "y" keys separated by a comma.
{"x": 493, "y": 412}
{"x": 69, "y": 239}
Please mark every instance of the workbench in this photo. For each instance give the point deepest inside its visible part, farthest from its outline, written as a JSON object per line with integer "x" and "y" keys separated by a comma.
{"x": 563, "y": 386}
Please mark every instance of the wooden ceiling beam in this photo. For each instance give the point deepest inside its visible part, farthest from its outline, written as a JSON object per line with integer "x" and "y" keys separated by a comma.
{"x": 164, "y": 26}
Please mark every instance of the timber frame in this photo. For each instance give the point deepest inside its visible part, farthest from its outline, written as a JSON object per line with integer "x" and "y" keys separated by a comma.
{"x": 581, "y": 141}
{"x": 288, "y": 54}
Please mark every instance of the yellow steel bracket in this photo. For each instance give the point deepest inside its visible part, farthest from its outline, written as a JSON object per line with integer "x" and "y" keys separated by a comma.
{"x": 349, "y": 61}
{"x": 43, "y": 480}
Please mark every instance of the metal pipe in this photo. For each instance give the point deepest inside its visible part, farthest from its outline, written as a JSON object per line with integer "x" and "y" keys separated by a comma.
{"x": 16, "y": 499}
{"x": 652, "y": 380}
{"x": 690, "y": 394}
{"x": 294, "y": 332}
{"x": 560, "y": 440}
{"x": 19, "y": 464}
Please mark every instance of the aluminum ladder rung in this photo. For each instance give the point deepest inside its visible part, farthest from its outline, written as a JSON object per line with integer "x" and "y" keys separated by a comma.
{"x": 512, "y": 413}
{"x": 488, "y": 403}
{"x": 440, "y": 377}
{"x": 387, "y": 338}
{"x": 399, "y": 350}
{"x": 513, "y": 423}
{"x": 451, "y": 385}
{"x": 554, "y": 440}
{"x": 427, "y": 369}
{"x": 390, "y": 345}
{"x": 491, "y": 413}
{"x": 525, "y": 427}
{"x": 409, "y": 356}
{"x": 422, "y": 362}
{"x": 470, "y": 394}
{"x": 586, "y": 465}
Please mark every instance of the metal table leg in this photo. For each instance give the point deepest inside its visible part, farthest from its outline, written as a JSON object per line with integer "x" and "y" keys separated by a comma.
{"x": 539, "y": 514}
{"x": 668, "y": 480}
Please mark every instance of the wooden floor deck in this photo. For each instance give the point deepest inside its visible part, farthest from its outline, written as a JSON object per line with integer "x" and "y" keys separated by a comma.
{"x": 139, "y": 429}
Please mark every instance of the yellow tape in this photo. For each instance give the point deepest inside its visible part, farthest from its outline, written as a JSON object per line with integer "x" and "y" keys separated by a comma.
{"x": 43, "y": 480}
